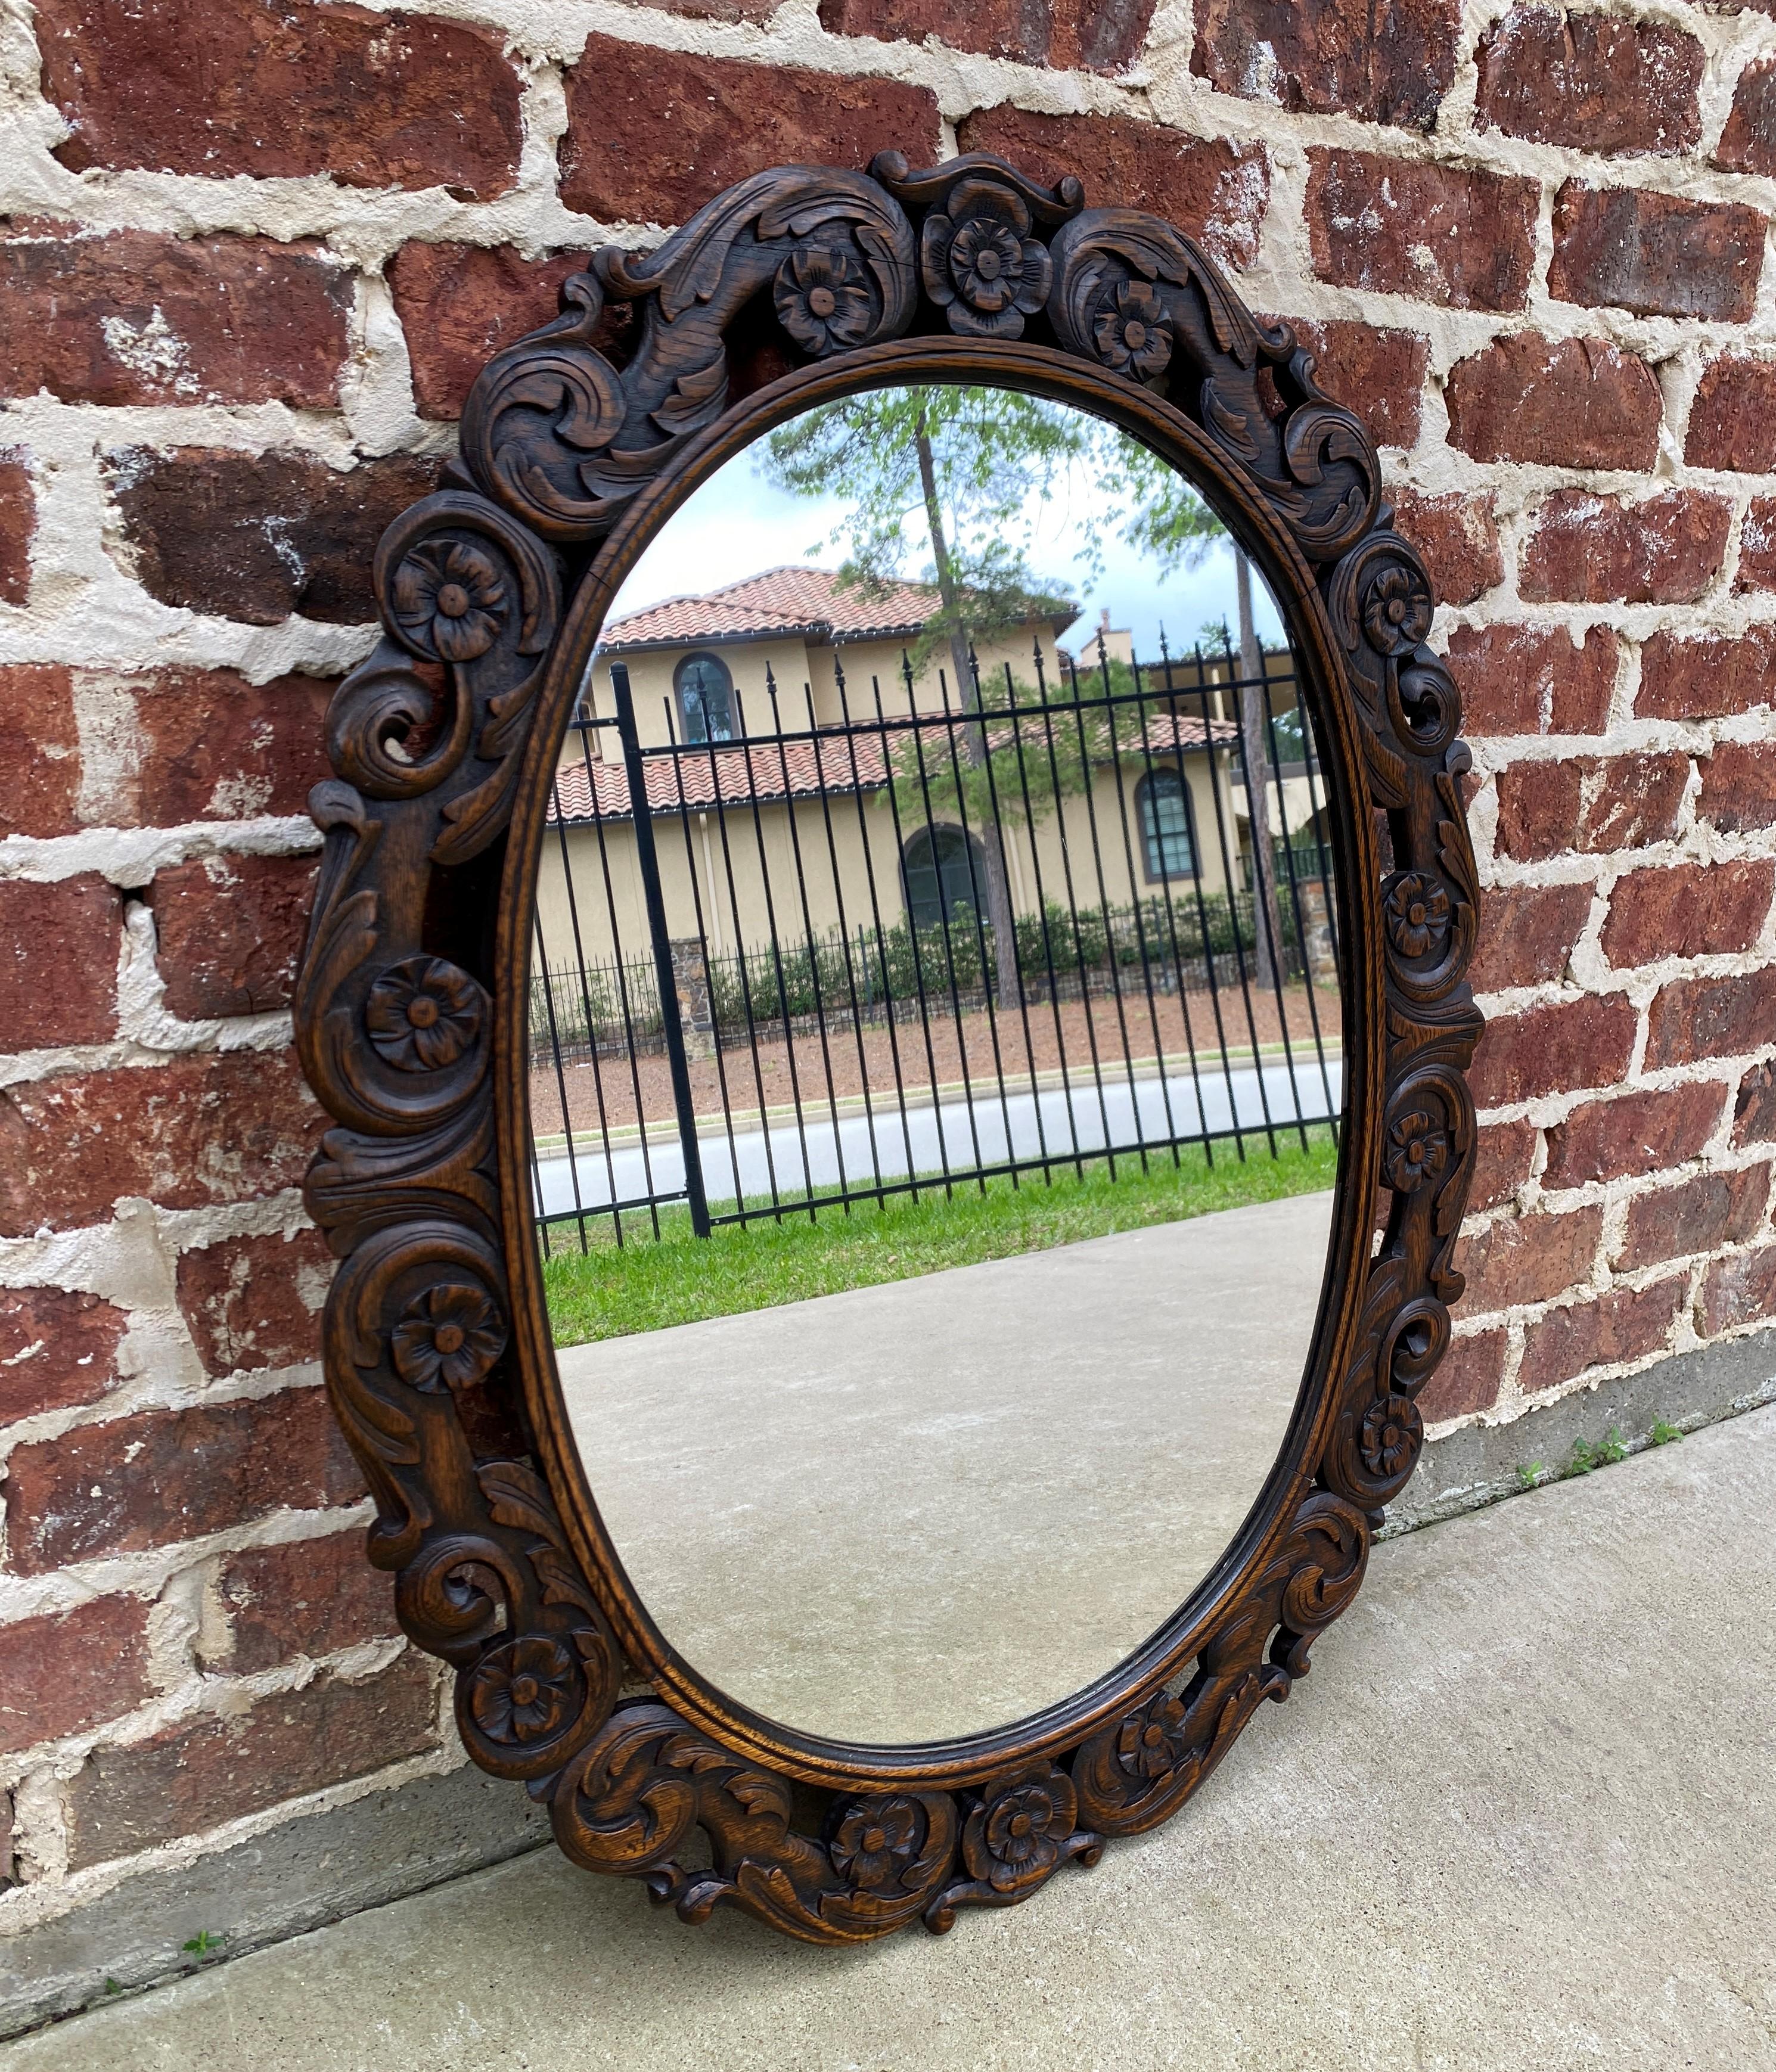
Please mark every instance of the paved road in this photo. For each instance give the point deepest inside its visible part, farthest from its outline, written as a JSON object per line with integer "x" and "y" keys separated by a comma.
{"x": 985, "y": 1131}
{"x": 1521, "y": 1818}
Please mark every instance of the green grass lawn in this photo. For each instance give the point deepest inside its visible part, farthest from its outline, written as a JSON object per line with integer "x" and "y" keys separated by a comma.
{"x": 609, "y": 1292}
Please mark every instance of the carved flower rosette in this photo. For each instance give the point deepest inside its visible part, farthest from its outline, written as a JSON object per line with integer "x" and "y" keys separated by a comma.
{"x": 413, "y": 976}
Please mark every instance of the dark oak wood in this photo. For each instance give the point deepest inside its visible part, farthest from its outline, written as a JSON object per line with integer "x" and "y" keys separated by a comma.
{"x": 795, "y": 286}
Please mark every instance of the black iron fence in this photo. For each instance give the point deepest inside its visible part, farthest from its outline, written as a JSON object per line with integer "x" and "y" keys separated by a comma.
{"x": 928, "y": 944}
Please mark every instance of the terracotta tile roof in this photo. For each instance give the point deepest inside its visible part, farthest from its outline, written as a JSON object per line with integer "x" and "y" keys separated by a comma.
{"x": 809, "y": 602}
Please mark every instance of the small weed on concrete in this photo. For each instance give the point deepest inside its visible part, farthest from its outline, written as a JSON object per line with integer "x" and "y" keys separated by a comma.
{"x": 1662, "y": 1434}
{"x": 202, "y": 1944}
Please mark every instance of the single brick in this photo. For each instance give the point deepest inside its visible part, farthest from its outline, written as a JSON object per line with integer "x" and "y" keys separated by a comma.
{"x": 1397, "y": 226}
{"x": 18, "y": 526}
{"x": 1468, "y": 1379}
{"x": 1754, "y": 1106}
{"x": 1502, "y": 1154}
{"x": 1389, "y": 61}
{"x": 1634, "y": 1133}
{"x": 1707, "y": 677}
{"x": 230, "y": 931}
{"x": 224, "y": 87}
{"x": 1688, "y": 909}
{"x": 1213, "y": 191}
{"x": 131, "y": 316}
{"x": 69, "y": 1670}
{"x": 1571, "y": 402}
{"x": 57, "y": 1348}
{"x": 1694, "y": 1018}
{"x": 39, "y": 750}
{"x": 1748, "y": 144}
{"x": 1757, "y": 569}
{"x": 1623, "y": 1326}
{"x": 257, "y": 536}
{"x": 1733, "y": 417}
{"x": 1700, "y": 1215}
{"x": 1738, "y": 1291}
{"x": 1594, "y": 82}
{"x": 1627, "y": 248}
{"x": 253, "y": 1301}
{"x": 1102, "y": 36}
{"x": 206, "y": 1771}
{"x": 1517, "y": 679}
{"x": 305, "y": 1597}
{"x": 1526, "y": 933}
{"x": 653, "y": 134}
{"x": 1739, "y": 785}
{"x": 204, "y": 745}
{"x": 1592, "y": 804}
{"x": 162, "y": 1476}
{"x": 460, "y": 304}
{"x": 1553, "y": 1048}
{"x": 199, "y": 1129}
{"x": 1528, "y": 1259}
{"x": 1377, "y": 373}
{"x": 1458, "y": 537}
{"x": 58, "y": 968}
{"x": 1591, "y": 549}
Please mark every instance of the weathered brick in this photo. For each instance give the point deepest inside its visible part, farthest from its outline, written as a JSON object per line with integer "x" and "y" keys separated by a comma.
{"x": 1635, "y": 1133}
{"x": 653, "y": 134}
{"x": 1630, "y": 248}
{"x": 305, "y": 1597}
{"x": 58, "y": 969}
{"x": 1595, "y": 82}
{"x": 1757, "y": 569}
{"x": 1503, "y": 1154}
{"x": 69, "y": 1670}
{"x": 57, "y": 1348}
{"x": 18, "y": 526}
{"x": 257, "y": 537}
{"x": 1526, "y": 933}
{"x": 223, "y": 87}
{"x": 1396, "y": 226}
{"x": 1737, "y": 1291}
{"x": 204, "y": 1772}
{"x": 1211, "y": 190}
{"x": 1564, "y": 1044}
{"x": 1591, "y": 803}
{"x": 1739, "y": 785}
{"x": 1748, "y": 143}
{"x": 1593, "y": 549}
{"x": 1701, "y": 1215}
{"x": 1528, "y": 1259}
{"x": 1517, "y": 679}
{"x": 252, "y": 1301}
{"x": 1468, "y": 1379}
{"x": 1708, "y": 676}
{"x": 39, "y": 750}
{"x": 1754, "y": 1106}
{"x": 1732, "y": 416}
{"x": 1688, "y": 909}
{"x": 230, "y": 931}
{"x": 130, "y": 316}
{"x": 1102, "y": 36}
{"x": 1711, "y": 1017}
{"x": 1378, "y": 372}
{"x": 460, "y": 304}
{"x": 1623, "y": 1326}
{"x": 1570, "y": 402}
{"x": 199, "y": 1129}
{"x": 1388, "y": 62}
{"x": 162, "y": 1476}
{"x": 1458, "y": 537}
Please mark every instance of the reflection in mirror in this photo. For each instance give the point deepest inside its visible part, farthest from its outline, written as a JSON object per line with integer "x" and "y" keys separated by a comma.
{"x": 935, "y": 1089}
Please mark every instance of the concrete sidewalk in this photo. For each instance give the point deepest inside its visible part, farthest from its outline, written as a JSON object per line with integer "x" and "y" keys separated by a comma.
{"x": 1522, "y": 1815}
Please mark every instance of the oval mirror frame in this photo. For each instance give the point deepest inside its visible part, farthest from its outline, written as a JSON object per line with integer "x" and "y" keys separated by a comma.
{"x": 577, "y": 443}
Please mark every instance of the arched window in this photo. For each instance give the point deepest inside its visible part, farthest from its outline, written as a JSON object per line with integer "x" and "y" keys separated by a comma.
{"x": 706, "y": 698}
{"x": 942, "y": 867}
{"x": 1163, "y": 801}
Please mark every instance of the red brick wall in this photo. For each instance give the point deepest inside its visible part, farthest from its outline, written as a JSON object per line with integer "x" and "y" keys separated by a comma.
{"x": 243, "y": 299}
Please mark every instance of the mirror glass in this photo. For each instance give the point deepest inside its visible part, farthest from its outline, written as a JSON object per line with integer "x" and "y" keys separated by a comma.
{"x": 935, "y": 1071}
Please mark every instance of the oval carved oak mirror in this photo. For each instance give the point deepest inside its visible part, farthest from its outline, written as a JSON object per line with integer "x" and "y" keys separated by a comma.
{"x": 900, "y": 1113}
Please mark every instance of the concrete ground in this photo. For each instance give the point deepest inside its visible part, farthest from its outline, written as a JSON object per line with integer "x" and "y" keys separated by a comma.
{"x": 927, "y": 1508}
{"x": 1521, "y": 1818}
